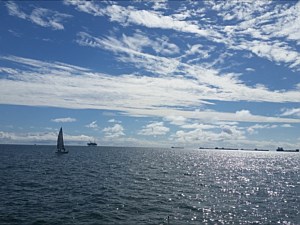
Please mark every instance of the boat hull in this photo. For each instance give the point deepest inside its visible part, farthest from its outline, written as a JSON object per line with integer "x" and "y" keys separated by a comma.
{"x": 91, "y": 144}
{"x": 61, "y": 152}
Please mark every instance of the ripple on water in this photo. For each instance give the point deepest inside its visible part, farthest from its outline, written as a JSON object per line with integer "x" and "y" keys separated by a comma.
{"x": 145, "y": 186}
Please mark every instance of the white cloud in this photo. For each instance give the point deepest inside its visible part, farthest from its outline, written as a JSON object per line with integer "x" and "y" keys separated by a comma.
{"x": 129, "y": 50}
{"x": 136, "y": 42}
{"x": 40, "y": 138}
{"x": 86, "y": 6}
{"x": 199, "y": 50}
{"x": 200, "y": 126}
{"x": 163, "y": 46}
{"x": 287, "y": 23}
{"x": 135, "y": 95}
{"x": 243, "y": 114}
{"x": 210, "y": 116}
{"x": 39, "y": 16}
{"x": 241, "y": 11}
{"x": 258, "y": 20}
{"x": 44, "y": 67}
{"x": 139, "y": 41}
{"x": 64, "y": 120}
{"x": 6, "y": 70}
{"x": 115, "y": 131}
{"x": 147, "y": 18}
{"x": 14, "y": 10}
{"x": 291, "y": 112}
{"x": 154, "y": 129}
{"x": 228, "y": 136}
{"x": 250, "y": 69}
{"x": 176, "y": 120}
{"x": 275, "y": 52}
{"x": 200, "y": 136}
{"x": 286, "y": 125}
{"x": 93, "y": 125}
{"x": 256, "y": 26}
{"x": 114, "y": 121}
{"x": 253, "y": 129}
{"x": 15, "y": 33}
{"x": 210, "y": 83}
{"x": 232, "y": 133}
{"x": 159, "y": 4}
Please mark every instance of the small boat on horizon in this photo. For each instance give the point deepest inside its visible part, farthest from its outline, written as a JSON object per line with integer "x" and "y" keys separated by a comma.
{"x": 60, "y": 143}
{"x": 92, "y": 144}
{"x": 280, "y": 149}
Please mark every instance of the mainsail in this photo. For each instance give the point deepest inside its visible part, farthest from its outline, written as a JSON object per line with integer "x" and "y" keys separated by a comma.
{"x": 60, "y": 142}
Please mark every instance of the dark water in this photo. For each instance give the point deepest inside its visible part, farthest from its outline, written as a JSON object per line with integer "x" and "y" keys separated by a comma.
{"x": 105, "y": 185}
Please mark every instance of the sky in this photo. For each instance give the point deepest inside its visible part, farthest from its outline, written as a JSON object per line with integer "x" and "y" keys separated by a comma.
{"x": 151, "y": 73}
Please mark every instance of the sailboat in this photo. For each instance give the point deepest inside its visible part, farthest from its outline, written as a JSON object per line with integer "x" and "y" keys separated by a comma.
{"x": 60, "y": 143}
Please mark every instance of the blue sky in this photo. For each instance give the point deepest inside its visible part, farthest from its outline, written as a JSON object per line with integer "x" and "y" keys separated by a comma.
{"x": 151, "y": 73}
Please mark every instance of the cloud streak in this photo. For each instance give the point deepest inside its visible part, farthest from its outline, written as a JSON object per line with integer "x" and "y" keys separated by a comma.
{"x": 208, "y": 82}
{"x": 62, "y": 85}
{"x": 146, "y": 18}
{"x": 39, "y": 16}
{"x": 256, "y": 25}
{"x": 93, "y": 125}
{"x": 263, "y": 28}
{"x": 64, "y": 120}
{"x": 291, "y": 112}
{"x": 154, "y": 129}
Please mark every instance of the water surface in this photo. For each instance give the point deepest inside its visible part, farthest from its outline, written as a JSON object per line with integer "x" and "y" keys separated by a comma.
{"x": 108, "y": 185}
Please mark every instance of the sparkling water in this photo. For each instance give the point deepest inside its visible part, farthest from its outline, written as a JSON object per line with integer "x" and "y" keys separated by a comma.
{"x": 115, "y": 185}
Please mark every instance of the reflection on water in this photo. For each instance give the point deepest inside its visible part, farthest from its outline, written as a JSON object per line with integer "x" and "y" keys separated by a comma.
{"x": 106, "y": 185}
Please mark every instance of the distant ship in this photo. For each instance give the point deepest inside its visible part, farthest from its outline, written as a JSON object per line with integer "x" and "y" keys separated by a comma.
{"x": 261, "y": 150}
{"x": 92, "y": 144}
{"x": 60, "y": 143}
{"x": 280, "y": 149}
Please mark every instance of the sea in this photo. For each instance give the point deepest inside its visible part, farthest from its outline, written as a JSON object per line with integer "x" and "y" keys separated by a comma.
{"x": 124, "y": 185}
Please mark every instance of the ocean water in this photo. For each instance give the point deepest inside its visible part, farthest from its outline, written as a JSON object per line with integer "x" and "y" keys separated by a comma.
{"x": 108, "y": 185}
